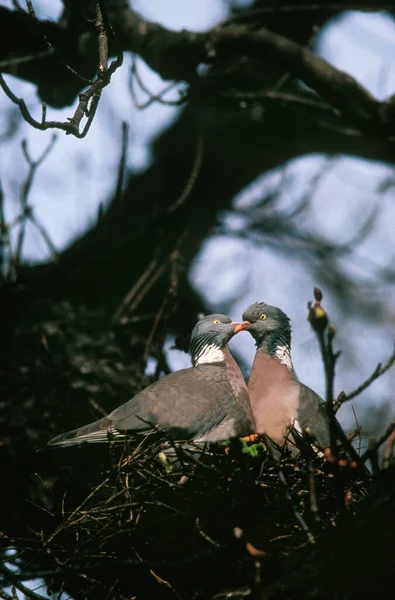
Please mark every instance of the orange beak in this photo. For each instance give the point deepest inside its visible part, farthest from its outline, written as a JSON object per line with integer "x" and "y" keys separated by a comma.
{"x": 241, "y": 326}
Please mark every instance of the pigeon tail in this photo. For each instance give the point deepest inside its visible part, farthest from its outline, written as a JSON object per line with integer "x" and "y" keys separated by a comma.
{"x": 97, "y": 432}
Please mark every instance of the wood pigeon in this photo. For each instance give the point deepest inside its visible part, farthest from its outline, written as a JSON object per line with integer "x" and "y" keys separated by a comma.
{"x": 278, "y": 399}
{"x": 208, "y": 402}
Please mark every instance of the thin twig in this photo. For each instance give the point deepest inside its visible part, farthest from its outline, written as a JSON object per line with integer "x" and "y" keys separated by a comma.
{"x": 353, "y": 434}
{"x": 6, "y": 596}
{"x": 319, "y": 320}
{"x": 88, "y": 100}
{"x": 192, "y": 177}
{"x": 4, "y": 238}
{"x": 307, "y": 451}
{"x": 131, "y": 305}
{"x": 152, "y": 97}
{"x": 204, "y": 535}
{"x": 135, "y": 289}
{"x": 168, "y": 302}
{"x": 26, "y": 210}
{"x": 51, "y": 246}
{"x": 330, "y": 378}
{"x": 122, "y": 162}
{"x": 15, "y": 580}
{"x": 388, "y": 449}
{"x": 288, "y": 496}
{"x": 21, "y": 60}
{"x": 277, "y": 7}
{"x": 376, "y": 445}
{"x": 50, "y": 48}
{"x": 379, "y": 370}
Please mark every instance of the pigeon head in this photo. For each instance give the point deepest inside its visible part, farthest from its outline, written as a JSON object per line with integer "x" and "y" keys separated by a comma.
{"x": 210, "y": 335}
{"x": 269, "y": 325}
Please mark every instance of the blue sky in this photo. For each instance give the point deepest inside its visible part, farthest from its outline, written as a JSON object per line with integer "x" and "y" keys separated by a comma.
{"x": 78, "y": 176}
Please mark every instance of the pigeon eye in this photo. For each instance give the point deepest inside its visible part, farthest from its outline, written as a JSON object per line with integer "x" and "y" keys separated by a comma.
{"x": 216, "y": 321}
{"x": 263, "y": 317}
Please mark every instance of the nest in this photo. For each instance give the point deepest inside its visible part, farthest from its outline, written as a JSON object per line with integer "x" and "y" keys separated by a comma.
{"x": 162, "y": 521}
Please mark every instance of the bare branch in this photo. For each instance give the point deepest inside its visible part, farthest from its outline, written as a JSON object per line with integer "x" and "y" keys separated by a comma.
{"x": 374, "y": 446}
{"x": 319, "y": 322}
{"x": 379, "y": 370}
{"x": 26, "y": 210}
{"x": 6, "y": 596}
{"x": 160, "y": 98}
{"x": 122, "y": 163}
{"x": 193, "y": 176}
{"x": 15, "y": 581}
{"x": 175, "y": 55}
{"x": 388, "y": 449}
{"x": 88, "y": 100}
{"x": 303, "y": 7}
{"x": 20, "y": 60}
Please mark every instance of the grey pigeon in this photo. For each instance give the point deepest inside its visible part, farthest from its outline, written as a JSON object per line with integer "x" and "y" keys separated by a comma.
{"x": 278, "y": 399}
{"x": 205, "y": 403}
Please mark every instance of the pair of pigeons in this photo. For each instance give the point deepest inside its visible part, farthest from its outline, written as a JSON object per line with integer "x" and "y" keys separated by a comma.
{"x": 210, "y": 401}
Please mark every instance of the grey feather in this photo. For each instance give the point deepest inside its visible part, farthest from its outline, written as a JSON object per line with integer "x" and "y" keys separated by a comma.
{"x": 203, "y": 403}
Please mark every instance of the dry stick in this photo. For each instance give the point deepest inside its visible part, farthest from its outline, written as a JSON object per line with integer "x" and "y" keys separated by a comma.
{"x": 205, "y": 536}
{"x": 375, "y": 445}
{"x": 74, "y": 513}
{"x": 312, "y": 490}
{"x": 307, "y": 451}
{"x": 288, "y": 496}
{"x": 379, "y": 370}
{"x": 353, "y": 434}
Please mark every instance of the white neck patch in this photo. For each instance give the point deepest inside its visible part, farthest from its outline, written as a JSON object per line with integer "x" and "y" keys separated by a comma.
{"x": 209, "y": 354}
{"x": 283, "y": 354}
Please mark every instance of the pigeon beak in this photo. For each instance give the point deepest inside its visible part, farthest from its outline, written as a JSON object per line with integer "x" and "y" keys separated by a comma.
{"x": 241, "y": 326}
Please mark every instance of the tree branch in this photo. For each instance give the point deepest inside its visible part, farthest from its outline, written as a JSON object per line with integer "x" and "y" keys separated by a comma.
{"x": 175, "y": 55}
{"x": 88, "y": 100}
